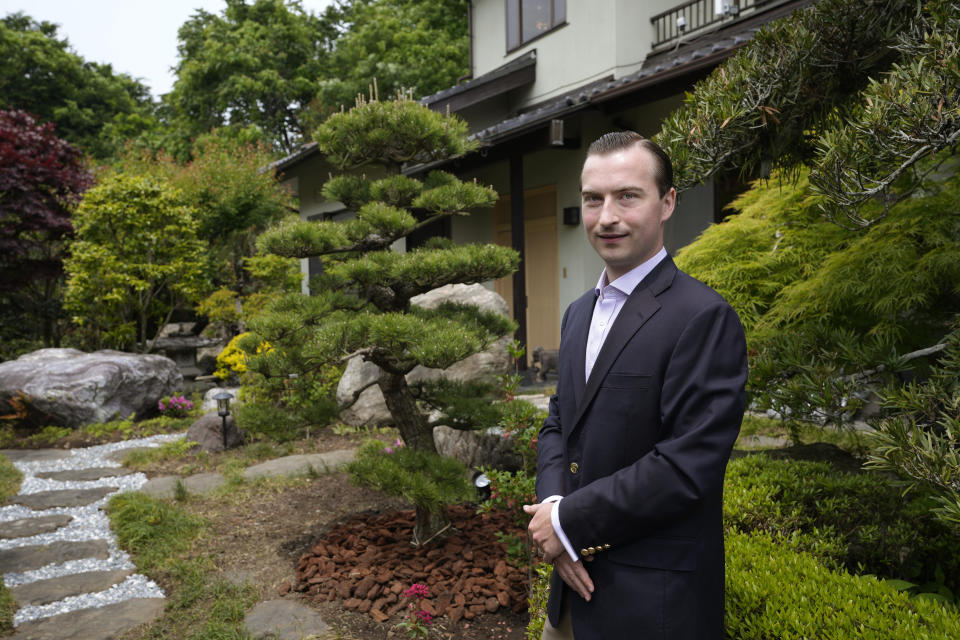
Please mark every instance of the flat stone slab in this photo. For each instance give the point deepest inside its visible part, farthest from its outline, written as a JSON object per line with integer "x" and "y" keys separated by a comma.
{"x": 203, "y": 482}
{"x": 81, "y": 475}
{"x": 34, "y": 455}
{"x": 46, "y": 591}
{"x": 300, "y": 464}
{"x": 25, "y": 527}
{"x": 284, "y": 620}
{"x": 20, "y": 559}
{"x": 160, "y": 487}
{"x": 102, "y": 623}
{"x": 61, "y": 498}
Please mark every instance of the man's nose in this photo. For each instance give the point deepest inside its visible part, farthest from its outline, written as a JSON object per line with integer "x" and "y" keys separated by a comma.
{"x": 608, "y": 213}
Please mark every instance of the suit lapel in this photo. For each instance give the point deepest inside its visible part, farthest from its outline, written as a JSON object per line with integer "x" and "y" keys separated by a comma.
{"x": 639, "y": 307}
{"x": 582, "y": 314}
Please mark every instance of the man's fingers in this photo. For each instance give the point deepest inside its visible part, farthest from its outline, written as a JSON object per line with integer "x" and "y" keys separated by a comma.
{"x": 575, "y": 575}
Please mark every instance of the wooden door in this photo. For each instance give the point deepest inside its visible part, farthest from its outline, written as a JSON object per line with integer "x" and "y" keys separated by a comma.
{"x": 540, "y": 247}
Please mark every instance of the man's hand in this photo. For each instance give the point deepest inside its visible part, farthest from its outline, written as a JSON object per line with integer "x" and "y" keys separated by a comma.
{"x": 575, "y": 575}
{"x": 541, "y": 530}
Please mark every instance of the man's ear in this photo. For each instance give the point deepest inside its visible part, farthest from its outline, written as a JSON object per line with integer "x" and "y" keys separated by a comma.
{"x": 668, "y": 203}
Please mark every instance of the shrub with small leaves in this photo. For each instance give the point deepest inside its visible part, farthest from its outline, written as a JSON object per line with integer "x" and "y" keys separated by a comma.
{"x": 175, "y": 406}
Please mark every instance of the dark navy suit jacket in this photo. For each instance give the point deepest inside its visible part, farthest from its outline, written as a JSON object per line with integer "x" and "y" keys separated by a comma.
{"x": 639, "y": 452}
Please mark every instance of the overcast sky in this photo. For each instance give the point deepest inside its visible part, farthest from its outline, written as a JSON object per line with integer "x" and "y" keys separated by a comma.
{"x": 137, "y": 37}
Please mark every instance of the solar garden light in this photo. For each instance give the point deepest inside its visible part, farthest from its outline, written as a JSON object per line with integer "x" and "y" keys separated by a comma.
{"x": 223, "y": 410}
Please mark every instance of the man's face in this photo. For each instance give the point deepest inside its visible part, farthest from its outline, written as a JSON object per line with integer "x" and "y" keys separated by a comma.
{"x": 623, "y": 212}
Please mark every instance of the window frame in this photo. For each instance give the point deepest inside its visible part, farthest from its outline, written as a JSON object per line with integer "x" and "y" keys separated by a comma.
{"x": 514, "y": 17}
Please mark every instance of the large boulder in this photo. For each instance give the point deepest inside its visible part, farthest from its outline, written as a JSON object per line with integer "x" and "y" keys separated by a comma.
{"x": 70, "y": 388}
{"x": 361, "y": 400}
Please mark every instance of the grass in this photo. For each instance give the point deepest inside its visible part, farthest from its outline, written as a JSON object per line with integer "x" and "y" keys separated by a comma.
{"x": 10, "y": 479}
{"x": 7, "y": 608}
{"x": 12, "y": 436}
{"x": 162, "y": 539}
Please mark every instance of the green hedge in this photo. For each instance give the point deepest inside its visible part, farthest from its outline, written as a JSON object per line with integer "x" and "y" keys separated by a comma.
{"x": 858, "y": 522}
{"x": 776, "y": 593}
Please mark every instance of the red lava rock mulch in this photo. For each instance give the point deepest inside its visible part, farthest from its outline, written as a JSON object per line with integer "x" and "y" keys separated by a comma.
{"x": 368, "y": 562}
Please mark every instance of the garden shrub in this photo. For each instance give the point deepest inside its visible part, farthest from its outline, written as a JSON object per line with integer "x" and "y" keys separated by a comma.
{"x": 537, "y": 600}
{"x": 427, "y": 480}
{"x": 860, "y": 522}
{"x": 776, "y": 593}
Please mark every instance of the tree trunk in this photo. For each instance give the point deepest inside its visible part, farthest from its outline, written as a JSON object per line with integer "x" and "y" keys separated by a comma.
{"x": 417, "y": 434}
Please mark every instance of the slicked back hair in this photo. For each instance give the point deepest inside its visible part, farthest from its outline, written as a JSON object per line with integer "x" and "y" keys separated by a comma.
{"x": 619, "y": 140}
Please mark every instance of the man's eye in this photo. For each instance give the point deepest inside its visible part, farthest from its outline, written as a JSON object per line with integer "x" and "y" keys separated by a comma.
{"x": 628, "y": 196}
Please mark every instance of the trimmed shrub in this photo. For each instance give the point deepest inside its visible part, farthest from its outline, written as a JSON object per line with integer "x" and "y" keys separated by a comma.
{"x": 776, "y": 593}
{"x": 859, "y": 522}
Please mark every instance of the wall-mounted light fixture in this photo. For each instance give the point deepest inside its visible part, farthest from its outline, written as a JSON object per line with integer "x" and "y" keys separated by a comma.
{"x": 571, "y": 216}
{"x": 682, "y": 24}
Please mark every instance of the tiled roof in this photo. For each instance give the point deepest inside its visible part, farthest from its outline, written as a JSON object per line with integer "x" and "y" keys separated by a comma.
{"x": 526, "y": 60}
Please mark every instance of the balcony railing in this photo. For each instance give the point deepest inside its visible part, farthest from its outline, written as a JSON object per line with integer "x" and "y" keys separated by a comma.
{"x": 696, "y": 15}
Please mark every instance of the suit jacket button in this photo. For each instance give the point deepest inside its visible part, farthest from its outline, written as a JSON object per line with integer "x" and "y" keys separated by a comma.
{"x": 606, "y": 546}
{"x": 584, "y": 552}
{"x": 592, "y": 550}
{"x": 574, "y": 468}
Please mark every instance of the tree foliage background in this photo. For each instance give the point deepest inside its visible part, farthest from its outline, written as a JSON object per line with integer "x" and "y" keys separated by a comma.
{"x": 94, "y": 108}
{"x": 843, "y": 261}
{"x": 41, "y": 178}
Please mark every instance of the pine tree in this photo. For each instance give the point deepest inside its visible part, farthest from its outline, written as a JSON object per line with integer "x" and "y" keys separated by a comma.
{"x": 361, "y": 302}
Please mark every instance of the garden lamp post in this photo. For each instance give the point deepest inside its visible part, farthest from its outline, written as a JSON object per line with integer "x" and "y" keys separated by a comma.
{"x": 223, "y": 410}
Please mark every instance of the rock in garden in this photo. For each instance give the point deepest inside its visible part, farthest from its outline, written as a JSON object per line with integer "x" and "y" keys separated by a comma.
{"x": 70, "y": 388}
{"x": 361, "y": 399}
{"x": 481, "y": 448}
{"x": 208, "y": 433}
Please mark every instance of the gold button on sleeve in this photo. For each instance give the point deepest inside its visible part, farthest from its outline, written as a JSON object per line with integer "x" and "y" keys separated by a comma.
{"x": 574, "y": 468}
{"x": 584, "y": 552}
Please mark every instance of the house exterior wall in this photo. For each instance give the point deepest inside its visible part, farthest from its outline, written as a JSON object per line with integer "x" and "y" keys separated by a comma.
{"x": 578, "y": 265}
{"x": 601, "y": 38}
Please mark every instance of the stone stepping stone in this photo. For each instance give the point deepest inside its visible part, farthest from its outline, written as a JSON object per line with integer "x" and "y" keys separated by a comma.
{"x": 160, "y": 487}
{"x": 34, "y": 455}
{"x": 300, "y": 464}
{"x": 198, "y": 484}
{"x": 81, "y": 475}
{"x": 101, "y": 623}
{"x": 61, "y": 498}
{"x": 285, "y": 620}
{"x": 26, "y": 527}
{"x": 53, "y": 589}
{"x": 20, "y": 559}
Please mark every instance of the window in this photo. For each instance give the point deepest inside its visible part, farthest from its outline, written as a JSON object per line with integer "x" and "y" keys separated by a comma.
{"x": 530, "y": 19}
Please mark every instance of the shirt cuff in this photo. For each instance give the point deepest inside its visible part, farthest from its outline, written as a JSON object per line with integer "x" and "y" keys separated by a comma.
{"x": 555, "y": 521}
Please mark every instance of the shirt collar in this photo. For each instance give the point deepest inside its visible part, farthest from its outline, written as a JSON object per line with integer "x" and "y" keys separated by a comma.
{"x": 629, "y": 281}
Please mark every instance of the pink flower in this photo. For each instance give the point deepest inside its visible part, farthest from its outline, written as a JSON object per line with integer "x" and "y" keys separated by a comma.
{"x": 388, "y": 449}
{"x": 417, "y": 590}
{"x": 424, "y": 617}
{"x": 398, "y": 443}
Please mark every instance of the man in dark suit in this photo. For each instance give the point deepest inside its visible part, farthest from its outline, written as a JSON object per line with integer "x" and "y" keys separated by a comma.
{"x": 649, "y": 402}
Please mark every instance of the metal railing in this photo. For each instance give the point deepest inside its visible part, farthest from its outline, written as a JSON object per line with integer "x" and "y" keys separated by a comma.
{"x": 696, "y": 15}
